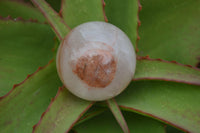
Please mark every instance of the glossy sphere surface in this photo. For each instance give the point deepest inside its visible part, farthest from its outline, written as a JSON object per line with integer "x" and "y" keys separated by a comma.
{"x": 96, "y": 61}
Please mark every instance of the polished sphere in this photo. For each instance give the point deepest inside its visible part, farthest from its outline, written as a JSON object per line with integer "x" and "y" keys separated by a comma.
{"x": 96, "y": 61}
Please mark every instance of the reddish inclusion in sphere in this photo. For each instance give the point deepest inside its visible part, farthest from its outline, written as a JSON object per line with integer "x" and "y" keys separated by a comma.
{"x": 96, "y": 68}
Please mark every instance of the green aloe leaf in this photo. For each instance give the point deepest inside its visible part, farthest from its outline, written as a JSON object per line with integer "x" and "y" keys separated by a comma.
{"x": 92, "y": 112}
{"x": 170, "y": 30}
{"x": 57, "y": 23}
{"x": 76, "y": 12}
{"x": 63, "y": 112}
{"x": 22, "y": 107}
{"x": 124, "y": 14}
{"x": 19, "y": 9}
{"x": 176, "y": 104}
{"x": 173, "y": 103}
{"x": 156, "y": 69}
{"x": 106, "y": 123}
{"x": 112, "y": 104}
{"x": 24, "y": 47}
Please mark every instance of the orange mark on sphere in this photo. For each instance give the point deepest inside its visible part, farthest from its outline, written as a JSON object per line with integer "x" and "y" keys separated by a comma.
{"x": 96, "y": 68}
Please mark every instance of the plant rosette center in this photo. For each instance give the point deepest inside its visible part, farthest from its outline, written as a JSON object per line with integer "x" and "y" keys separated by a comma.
{"x": 96, "y": 61}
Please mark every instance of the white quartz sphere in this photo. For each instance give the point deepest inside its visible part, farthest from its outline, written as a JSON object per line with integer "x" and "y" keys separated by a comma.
{"x": 96, "y": 61}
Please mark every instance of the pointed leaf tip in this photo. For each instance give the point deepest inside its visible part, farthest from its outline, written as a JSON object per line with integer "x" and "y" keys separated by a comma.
{"x": 112, "y": 104}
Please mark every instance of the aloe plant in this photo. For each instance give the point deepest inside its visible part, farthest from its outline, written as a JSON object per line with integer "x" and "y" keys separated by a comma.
{"x": 164, "y": 95}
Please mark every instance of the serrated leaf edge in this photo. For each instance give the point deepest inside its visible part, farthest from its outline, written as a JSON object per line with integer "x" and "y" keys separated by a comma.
{"x": 138, "y": 25}
{"x": 104, "y": 13}
{"x": 154, "y": 117}
{"x": 28, "y": 76}
{"x": 166, "y": 79}
{"x": 49, "y": 107}
{"x": 161, "y": 60}
{"x": 45, "y": 8}
{"x": 20, "y": 19}
{"x": 61, "y": 8}
{"x": 112, "y": 104}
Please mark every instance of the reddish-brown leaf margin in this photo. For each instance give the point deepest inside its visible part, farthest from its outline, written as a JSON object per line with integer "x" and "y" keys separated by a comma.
{"x": 28, "y": 76}
{"x": 9, "y": 18}
{"x": 165, "y": 79}
{"x": 49, "y": 107}
{"x": 35, "y": 2}
{"x": 27, "y": 4}
{"x": 20, "y": 19}
{"x": 158, "y": 59}
{"x": 125, "y": 126}
{"x": 61, "y": 8}
{"x": 139, "y": 24}
{"x": 80, "y": 115}
{"x": 154, "y": 117}
{"x": 104, "y": 13}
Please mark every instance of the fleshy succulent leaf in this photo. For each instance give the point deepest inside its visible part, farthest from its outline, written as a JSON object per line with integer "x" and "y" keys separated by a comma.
{"x": 92, "y": 112}
{"x": 56, "y": 22}
{"x": 76, "y": 12}
{"x": 62, "y": 114}
{"x": 124, "y": 14}
{"x": 176, "y": 104}
{"x": 23, "y": 106}
{"x": 170, "y": 30}
{"x": 118, "y": 115}
{"x": 166, "y": 33}
{"x": 24, "y": 47}
{"x": 19, "y": 9}
{"x": 157, "y": 69}
{"x": 106, "y": 123}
